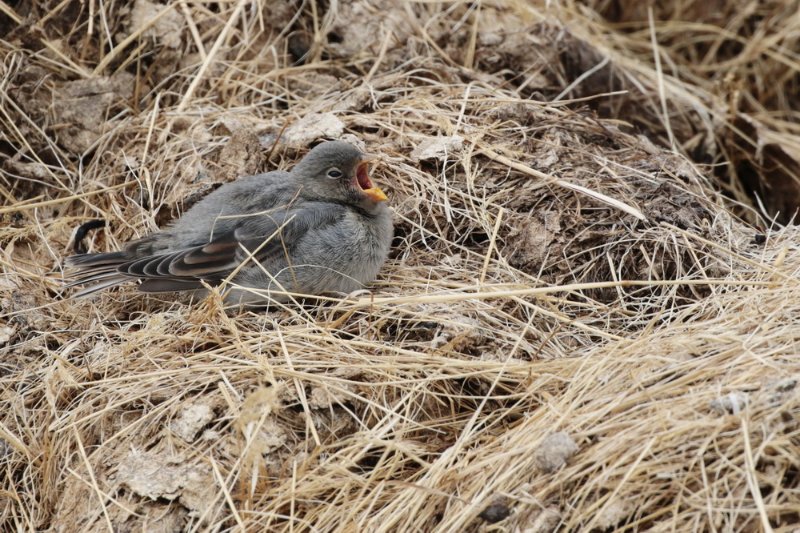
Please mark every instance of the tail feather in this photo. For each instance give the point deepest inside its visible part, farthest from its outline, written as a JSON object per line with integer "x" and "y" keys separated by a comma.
{"x": 95, "y": 272}
{"x": 110, "y": 282}
{"x": 93, "y": 277}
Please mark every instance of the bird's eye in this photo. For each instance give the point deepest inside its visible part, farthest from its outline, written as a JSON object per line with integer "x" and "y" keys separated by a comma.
{"x": 334, "y": 173}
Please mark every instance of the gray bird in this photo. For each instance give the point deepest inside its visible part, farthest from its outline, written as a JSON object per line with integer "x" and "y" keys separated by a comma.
{"x": 320, "y": 228}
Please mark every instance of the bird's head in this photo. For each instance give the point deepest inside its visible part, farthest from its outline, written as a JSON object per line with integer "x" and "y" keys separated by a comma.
{"x": 337, "y": 170}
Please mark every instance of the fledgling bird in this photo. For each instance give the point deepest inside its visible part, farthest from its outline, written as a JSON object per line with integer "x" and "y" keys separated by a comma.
{"x": 321, "y": 228}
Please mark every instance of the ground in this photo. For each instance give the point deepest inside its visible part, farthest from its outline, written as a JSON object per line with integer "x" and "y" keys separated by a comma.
{"x": 587, "y": 321}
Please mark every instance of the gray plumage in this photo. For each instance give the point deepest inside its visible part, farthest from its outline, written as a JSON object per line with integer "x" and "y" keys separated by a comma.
{"x": 321, "y": 228}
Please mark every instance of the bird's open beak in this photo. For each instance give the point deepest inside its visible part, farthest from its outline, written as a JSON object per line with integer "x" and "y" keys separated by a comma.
{"x": 362, "y": 177}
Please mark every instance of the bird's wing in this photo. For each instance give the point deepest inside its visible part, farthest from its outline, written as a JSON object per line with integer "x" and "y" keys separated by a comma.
{"x": 187, "y": 239}
{"x": 269, "y": 238}
{"x": 221, "y": 212}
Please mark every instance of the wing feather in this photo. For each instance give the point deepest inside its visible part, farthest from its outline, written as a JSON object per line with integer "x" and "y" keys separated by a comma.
{"x": 270, "y": 239}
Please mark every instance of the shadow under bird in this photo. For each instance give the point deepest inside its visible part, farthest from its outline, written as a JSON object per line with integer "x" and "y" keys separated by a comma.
{"x": 321, "y": 228}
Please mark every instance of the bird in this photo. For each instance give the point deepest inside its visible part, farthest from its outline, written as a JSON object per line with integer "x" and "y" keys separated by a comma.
{"x": 321, "y": 228}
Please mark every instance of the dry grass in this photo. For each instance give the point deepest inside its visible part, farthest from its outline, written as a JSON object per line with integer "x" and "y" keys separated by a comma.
{"x": 576, "y": 330}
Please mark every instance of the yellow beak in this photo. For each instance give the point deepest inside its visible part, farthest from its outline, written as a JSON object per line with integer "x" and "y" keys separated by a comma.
{"x": 376, "y": 194}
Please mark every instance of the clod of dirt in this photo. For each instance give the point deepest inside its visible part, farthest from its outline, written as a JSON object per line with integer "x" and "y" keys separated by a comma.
{"x": 545, "y": 522}
{"x": 28, "y": 170}
{"x": 732, "y": 403}
{"x": 157, "y": 475}
{"x": 191, "y": 420}
{"x": 312, "y": 127}
{"x": 166, "y": 30}
{"x": 324, "y": 397}
{"x": 358, "y": 142}
{"x": 613, "y": 514}
{"x": 84, "y": 105}
{"x": 534, "y": 238}
{"x": 362, "y": 26}
{"x": 241, "y": 156}
{"x": 19, "y": 302}
{"x": 80, "y": 108}
{"x": 271, "y": 436}
{"x": 554, "y": 451}
{"x": 438, "y": 148}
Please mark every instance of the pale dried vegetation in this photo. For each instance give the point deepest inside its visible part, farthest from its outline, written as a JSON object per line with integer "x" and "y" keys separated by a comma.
{"x": 588, "y": 320}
